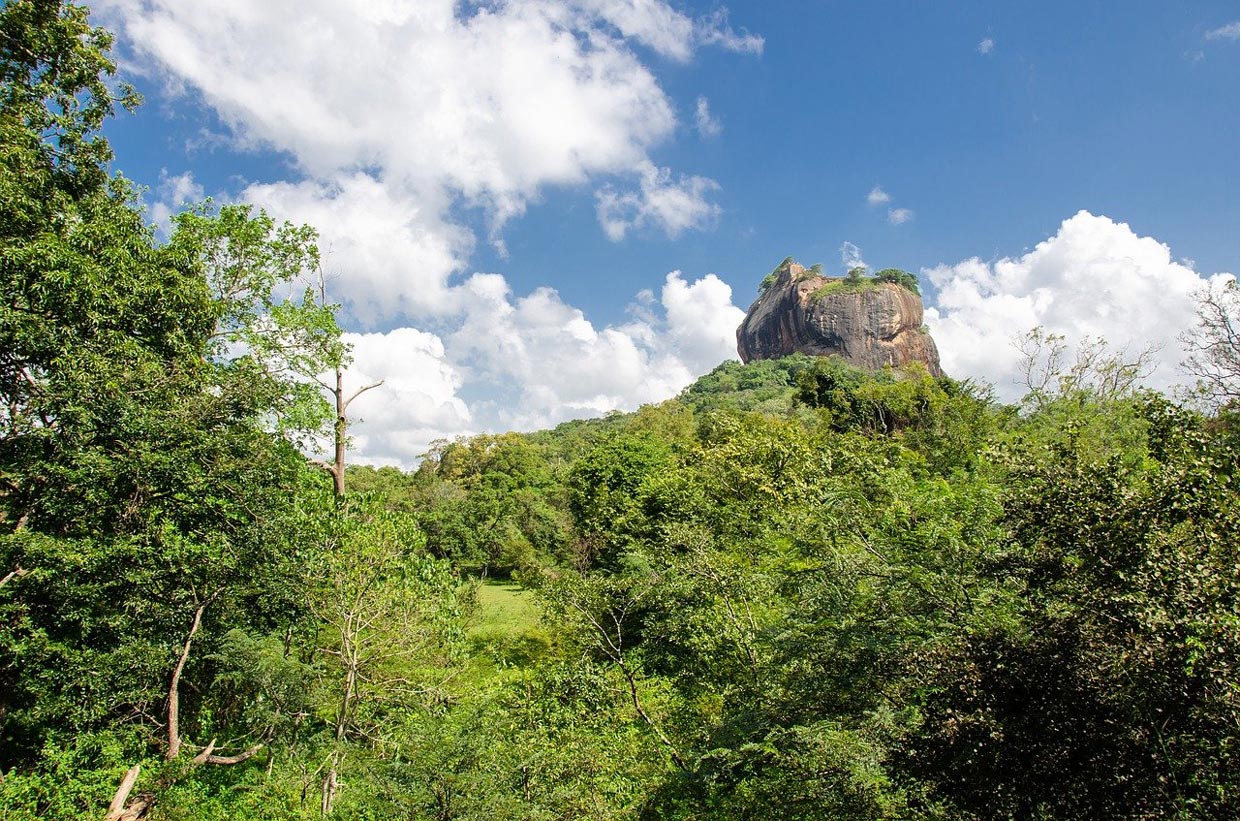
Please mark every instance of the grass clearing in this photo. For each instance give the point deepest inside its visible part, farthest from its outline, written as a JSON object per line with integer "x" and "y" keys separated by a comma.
{"x": 506, "y": 627}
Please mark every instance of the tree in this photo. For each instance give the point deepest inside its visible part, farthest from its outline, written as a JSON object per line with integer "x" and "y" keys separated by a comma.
{"x": 898, "y": 277}
{"x": 142, "y": 494}
{"x": 274, "y": 320}
{"x": 1114, "y": 678}
{"x": 1097, "y": 372}
{"x": 1214, "y": 344}
{"x": 390, "y": 630}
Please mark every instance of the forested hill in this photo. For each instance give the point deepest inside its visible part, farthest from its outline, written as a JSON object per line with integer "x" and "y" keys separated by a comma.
{"x": 797, "y": 591}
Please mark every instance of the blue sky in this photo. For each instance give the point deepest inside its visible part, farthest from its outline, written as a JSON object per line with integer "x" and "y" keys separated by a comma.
{"x": 499, "y": 183}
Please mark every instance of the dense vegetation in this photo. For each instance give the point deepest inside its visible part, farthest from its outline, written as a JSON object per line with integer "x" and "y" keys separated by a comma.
{"x": 795, "y": 591}
{"x": 855, "y": 280}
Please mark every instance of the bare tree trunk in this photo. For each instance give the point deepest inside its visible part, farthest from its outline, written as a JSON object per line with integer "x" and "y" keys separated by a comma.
{"x": 329, "y": 788}
{"x": 341, "y": 428}
{"x": 174, "y": 688}
{"x": 349, "y": 656}
{"x": 117, "y": 811}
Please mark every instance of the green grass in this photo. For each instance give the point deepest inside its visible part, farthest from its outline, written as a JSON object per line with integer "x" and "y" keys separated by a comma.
{"x": 504, "y": 608}
{"x": 506, "y": 628}
{"x": 839, "y": 286}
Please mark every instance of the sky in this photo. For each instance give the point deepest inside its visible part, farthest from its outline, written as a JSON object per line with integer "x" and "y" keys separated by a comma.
{"x": 534, "y": 211}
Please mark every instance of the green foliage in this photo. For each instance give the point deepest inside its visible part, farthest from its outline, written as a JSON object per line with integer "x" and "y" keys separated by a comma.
{"x": 765, "y": 385}
{"x": 848, "y": 285}
{"x": 856, "y": 281}
{"x": 796, "y": 591}
{"x": 904, "y": 279}
{"x": 1124, "y": 660}
{"x": 602, "y": 490}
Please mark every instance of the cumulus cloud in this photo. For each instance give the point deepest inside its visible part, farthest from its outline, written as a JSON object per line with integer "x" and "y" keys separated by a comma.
{"x": 417, "y": 403}
{"x": 433, "y": 104}
{"x": 899, "y": 216}
{"x": 401, "y": 123}
{"x": 660, "y": 201}
{"x": 388, "y": 252}
{"x": 544, "y": 362}
{"x": 708, "y": 124}
{"x": 877, "y": 196}
{"x": 1094, "y": 278}
{"x": 1231, "y": 31}
{"x": 986, "y": 46}
{"x": 530, "y": 362}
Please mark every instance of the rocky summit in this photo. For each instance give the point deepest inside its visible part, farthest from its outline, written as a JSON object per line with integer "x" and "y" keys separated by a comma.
{"x": 869, "y": 322}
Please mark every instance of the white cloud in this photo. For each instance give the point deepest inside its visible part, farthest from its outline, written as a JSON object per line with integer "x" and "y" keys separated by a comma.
{"x": 544, "y": 362}
{"x": 671, "y": 33}
{"x": 716, "y": 31}
{"x": 672, "y": 205}
{"x": 986, "y": 46}
{"x": 701, "y": 321}
{"x": 708, "y": 124}
{"x": 1094, "y": 278}
{"x": 877, "y": 196}
{"x": 491, "y": 105}
{"x": 1231, "y": 31}
{"x": 417, "y": 402}
{"x": 432, "y": 104}
{"x": 531, "y": 362}
{"x": 389, "y": 253}
{"x": 850, "y": 257}
{"x": 172, "y": 195}
{"x": 899, "y": 216}
{"x": 392, "y": 118}
{"x": 650, "y": 22}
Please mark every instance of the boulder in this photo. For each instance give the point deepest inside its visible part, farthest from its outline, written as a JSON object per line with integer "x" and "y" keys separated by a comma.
{"x": 868, "y": 323}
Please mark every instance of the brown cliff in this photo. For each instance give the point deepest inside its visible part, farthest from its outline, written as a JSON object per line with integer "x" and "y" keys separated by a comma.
{"x": 867, "y": 323}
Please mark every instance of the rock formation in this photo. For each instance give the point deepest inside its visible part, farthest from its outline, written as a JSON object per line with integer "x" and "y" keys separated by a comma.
{"x": 868, "y": 323}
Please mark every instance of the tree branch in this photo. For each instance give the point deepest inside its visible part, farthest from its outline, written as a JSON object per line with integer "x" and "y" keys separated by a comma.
{"x": 174, "y": 697}
{"x": 361, "y": 391}
{"x": 16, "y": 573}
{"x": 203, "y": 756}
{"x": 122, "y": 793}
{"x": 234, "y": 759}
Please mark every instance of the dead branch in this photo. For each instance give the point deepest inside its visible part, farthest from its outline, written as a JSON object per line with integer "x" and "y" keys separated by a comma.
{"x": 122, "y": 793}
{"x": 234, "y": 759}
{"x": 15, "y": 573}
{"x": 202, "y": 757}
{"x": 361, "y": 391}
{"x": 174, "y": 687}
{"x": 117, "y": 811}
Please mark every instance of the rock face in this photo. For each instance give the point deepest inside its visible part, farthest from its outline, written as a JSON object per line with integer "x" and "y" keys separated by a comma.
{"x": 870, "y": 327}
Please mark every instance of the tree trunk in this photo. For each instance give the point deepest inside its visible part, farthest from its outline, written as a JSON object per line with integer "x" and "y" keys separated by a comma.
{"x": 174, "y": 687}
{"x": 330, "y": 786}
{"x": 341, "y": 428}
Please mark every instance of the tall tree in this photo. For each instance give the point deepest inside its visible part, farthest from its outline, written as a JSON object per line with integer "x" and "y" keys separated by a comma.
{"x": 1214, "y": 344}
